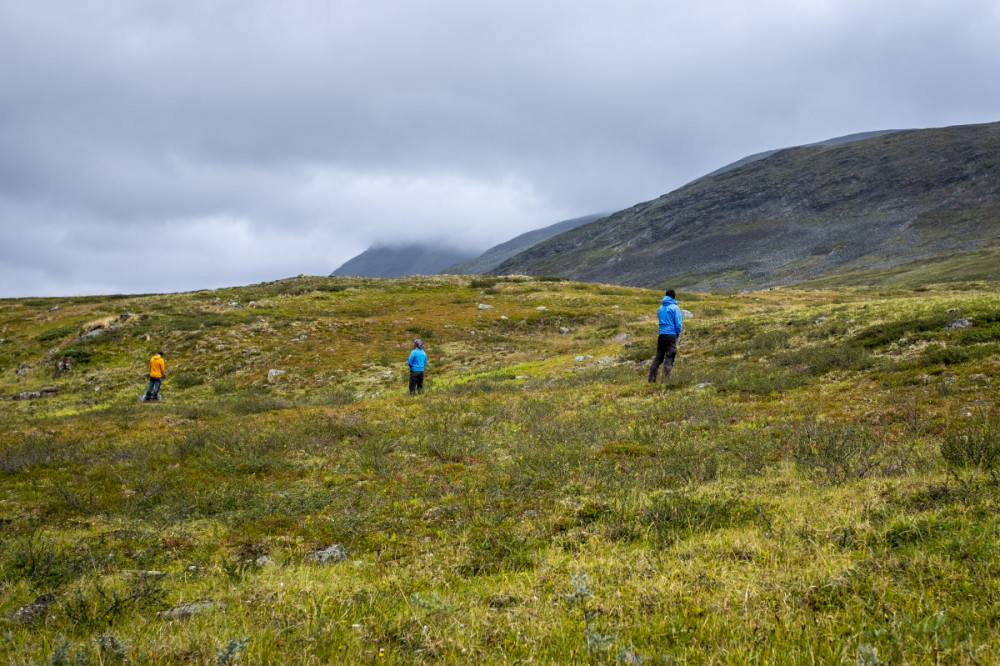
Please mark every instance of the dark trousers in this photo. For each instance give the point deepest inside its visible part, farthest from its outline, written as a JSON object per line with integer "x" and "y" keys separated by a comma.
{"x": 153, "y": 392}
{"x": 416, "y": 382}
{"x": 666, "y": 352}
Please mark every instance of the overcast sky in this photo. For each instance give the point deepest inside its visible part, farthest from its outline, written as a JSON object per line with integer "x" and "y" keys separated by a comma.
{"x": 167, "y": 146}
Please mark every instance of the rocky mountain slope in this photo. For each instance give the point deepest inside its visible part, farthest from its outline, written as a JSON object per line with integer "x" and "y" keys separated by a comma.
{"x": 799, "y": 214}
{"x": 861, "y": 136}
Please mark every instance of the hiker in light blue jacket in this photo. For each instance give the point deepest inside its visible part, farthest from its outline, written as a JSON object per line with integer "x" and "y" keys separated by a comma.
{"x": 670, "y": 318}
{"x": 417, "y": 363}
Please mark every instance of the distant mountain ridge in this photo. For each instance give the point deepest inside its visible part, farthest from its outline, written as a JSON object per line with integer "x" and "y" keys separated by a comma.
{"x": 796, "y": 214}
{"x": 497, "y": 254}
{"x": 386, "y": 260}
{"x": 400, "y": 261}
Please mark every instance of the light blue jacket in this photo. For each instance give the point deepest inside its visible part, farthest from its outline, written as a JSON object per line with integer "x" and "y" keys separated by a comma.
{"x": 417, "y": 360}
{"x": 670, "y": 317}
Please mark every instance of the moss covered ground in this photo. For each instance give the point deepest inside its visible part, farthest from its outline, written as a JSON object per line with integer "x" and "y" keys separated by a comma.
{"x": 818, "y": 482}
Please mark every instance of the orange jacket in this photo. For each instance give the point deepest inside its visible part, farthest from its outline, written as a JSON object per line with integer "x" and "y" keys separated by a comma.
{"x": 156, "y": 366}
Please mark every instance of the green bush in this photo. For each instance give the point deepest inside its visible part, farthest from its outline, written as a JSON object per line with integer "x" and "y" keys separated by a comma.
{"x": 186, "y": 379}
{"x": 422, "y": 332}
{"x": 690, "y": 462}
{"x": 755, "y": 378}
{"x": 937, "y": 354}
{"x": 24, "y": 452}
{"x": 819, "y": 359}
{"x": 837, "y": 453}
{"x": 43, "y": 564}
{"x": 886, "y": 333}
{"x": 975, "y": 446}
{"x": 678, "y": 515}
{"x": 79, "y": 352}
{"x": 498, "y": 551}
{"x": 185, "y": 321}
{"x": 747, "y": 452}
{"x": 638, "y": 352}
{"x": 57, "y": 333}
{"x": 331, "y": 288}
{"x": 767, "y": 342}
{"x": 224, "y": 386}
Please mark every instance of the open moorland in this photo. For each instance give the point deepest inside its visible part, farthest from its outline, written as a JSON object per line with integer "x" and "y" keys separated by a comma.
{"x": 818, "y": 482}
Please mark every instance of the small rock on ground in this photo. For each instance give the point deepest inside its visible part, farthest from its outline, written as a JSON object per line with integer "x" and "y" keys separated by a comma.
{"x": 187, "y": 610}
{"x": 34, "y": 611}
{"x": 334, "y": 553}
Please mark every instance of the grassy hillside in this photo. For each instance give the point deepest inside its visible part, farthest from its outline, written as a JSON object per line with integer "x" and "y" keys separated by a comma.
{"x": 817, "y": 483}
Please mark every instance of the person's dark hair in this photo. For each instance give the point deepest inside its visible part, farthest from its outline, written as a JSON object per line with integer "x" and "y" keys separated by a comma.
{"x": 671, "y": 293}
{"x": 159, "y": 353}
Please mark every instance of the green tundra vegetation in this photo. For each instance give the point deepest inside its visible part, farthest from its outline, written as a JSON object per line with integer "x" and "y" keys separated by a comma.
{"x": 818, "y": 482}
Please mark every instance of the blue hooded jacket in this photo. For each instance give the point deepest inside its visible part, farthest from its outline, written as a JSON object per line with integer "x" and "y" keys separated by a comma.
{"x": 417, "y": 360}
{"x": 670, "y": 317}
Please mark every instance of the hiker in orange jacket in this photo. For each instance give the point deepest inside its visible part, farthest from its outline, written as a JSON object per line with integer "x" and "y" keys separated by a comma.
{"x": 157, "y": 371}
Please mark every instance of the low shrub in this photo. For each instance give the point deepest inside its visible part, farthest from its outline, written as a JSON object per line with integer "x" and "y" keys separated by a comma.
{"x": 767, "y": 342}
{"x": 78, "y": 351}
{"x": 819, "y": 359}
{"x": 888, "y": 332}
{"x": 186, "y": 379}
{"x": 224, "y": 386}
{"x": 43, "y": 564}
{"x": 483, "y": 282}
{"x": 57, "y": 333}
{"x": 422, "y": 332}
{"x": 185, "y": 321}
{"x": 837, "y": 453}
{"x": 938, "y": 354}
{"x": 498, "y": 551}
{"x": 690, "y": 462}
{"x": 747, "y": 453}
{"x": 755, "y": 378}
{"x": 23, "y": 452}
{"x": 675, "y": 516}
{"x": 638, "y": 352}
{"x": 975, "y": 447}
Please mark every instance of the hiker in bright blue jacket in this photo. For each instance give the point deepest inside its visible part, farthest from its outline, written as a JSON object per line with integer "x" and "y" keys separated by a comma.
{"x": 669, "y": 315}
{"x": 417, "y": 363}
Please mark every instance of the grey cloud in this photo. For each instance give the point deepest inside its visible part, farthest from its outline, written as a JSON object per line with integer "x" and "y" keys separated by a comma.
{"x": 268, "y": 139}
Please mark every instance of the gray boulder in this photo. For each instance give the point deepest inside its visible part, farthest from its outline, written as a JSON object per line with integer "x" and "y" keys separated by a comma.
{"x": 334, "y": 553}
{"x": 33, "y": 612}
{"x": 187, "y": 610}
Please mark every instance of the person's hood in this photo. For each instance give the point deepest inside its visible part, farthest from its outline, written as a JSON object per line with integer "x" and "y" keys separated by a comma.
{"x": 668, "y": 301}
